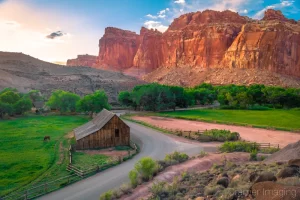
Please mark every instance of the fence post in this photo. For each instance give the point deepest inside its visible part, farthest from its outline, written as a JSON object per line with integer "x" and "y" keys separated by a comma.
{"x": 190, "y": 135}
{"x": 26, "y": 195}
{"x": 45, "y": 185}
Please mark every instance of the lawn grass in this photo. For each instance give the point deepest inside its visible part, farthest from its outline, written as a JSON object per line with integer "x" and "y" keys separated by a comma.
{"x": 277, "y": 119}
{"x": 85, "y": 161}
{"x": 24, "y": 156}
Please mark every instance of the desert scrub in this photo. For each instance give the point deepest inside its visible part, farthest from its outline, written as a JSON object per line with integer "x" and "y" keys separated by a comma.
{"x": 202, "y": 154}
{"x": 222, "y": 135}
{"x": 146, "y": 168}
{"x": 107, "y": 195}
{"x": 180, "y": 157}
{"x": 239, "y": 146}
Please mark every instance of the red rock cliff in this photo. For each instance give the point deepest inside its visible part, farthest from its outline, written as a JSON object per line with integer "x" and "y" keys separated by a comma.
{"x": 82, "y": 60}
{"x": 117, "y": 49}
{"x": 208, "y": 39}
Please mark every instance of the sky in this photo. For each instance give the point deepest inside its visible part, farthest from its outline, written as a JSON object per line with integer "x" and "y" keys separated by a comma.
{"x": 56, "y": 30}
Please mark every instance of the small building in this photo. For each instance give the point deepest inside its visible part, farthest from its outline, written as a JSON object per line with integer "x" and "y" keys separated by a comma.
{"x": 38, "y": 106}
{"x": 106, "y": 129}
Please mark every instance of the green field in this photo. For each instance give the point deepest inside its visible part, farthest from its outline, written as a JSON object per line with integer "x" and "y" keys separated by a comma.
{"x": 85, "y": 161}
{"x": 278, "y": 119}
{"x": 24, "y": 156}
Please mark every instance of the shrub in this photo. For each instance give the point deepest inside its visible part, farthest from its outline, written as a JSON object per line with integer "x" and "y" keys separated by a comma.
{"x": 270, "y": 150}
{"x": 177, "y": 156}
{"x": 146, "y": 167}
{"x": 202, "y": 154}
{"x": 107, "y": 195}
{"x": 212, "y": 190}
{"x": 222, "y": 135}
{"x": 253, "y": 155}
{"x": 239, "y": 146}
{"x": 133, "y": 176}
{"x": 157, "y": 188}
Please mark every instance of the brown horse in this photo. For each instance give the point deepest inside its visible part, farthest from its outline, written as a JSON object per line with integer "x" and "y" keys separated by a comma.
{"x": 46, "y": 138}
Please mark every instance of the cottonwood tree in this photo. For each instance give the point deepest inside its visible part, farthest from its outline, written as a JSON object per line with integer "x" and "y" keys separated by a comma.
{"x": 93, "y": 103}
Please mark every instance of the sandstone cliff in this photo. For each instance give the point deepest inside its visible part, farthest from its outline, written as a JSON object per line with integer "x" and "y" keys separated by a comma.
{"x": 117, "y": 49}
{"x": 82, "y": 60}
{"x": 207, "y": 40}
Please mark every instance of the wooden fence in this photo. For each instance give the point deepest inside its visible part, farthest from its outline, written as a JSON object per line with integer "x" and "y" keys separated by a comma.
{"x": 76, "y": 174}
{"x": 195, "y": 135}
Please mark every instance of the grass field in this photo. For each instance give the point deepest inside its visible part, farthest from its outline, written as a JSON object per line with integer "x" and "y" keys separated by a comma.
{"x": 278, "y": 119}
{"x": 24, "y": 156}
{"x": 85, "y": 161}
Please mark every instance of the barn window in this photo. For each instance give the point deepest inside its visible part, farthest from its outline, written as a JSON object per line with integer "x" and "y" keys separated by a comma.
{"x": 117, "y": 133}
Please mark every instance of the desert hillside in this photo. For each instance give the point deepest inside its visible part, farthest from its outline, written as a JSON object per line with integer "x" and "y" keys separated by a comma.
{"x": 25, "y": 73}
{"x": 211, "y": 46}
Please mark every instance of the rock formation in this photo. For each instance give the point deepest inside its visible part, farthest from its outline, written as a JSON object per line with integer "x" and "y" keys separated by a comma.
{"x": 82, "y": 60}
{"x": 117, "y": 49}
{"x": 206, "y": 41}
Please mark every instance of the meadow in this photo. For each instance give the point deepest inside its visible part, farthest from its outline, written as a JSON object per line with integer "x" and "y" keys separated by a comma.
{"x": 24, "y": 156}
{"x": 277, "y": 118}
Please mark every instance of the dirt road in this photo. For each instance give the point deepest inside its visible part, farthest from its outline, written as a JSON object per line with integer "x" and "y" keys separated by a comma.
{"x": 282, "y": 138}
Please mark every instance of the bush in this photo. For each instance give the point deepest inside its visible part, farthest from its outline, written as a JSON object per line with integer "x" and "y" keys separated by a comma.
{"x": 146, "y": 167}
{"x": 253, "y": 155}
{"x": 157, "y": 189}
{"x": 222, "y": 135}
{"x": 202, "y": 154}
{"x": 133, "y": 176}
{"x": 239, "y": 146}
{"x": 177, "y": 156}
{"x": 107, "y": 195}
{"x": 270, "y": 150}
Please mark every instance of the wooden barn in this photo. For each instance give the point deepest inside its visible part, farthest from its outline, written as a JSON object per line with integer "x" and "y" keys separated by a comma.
{"x": 106, "y": 129}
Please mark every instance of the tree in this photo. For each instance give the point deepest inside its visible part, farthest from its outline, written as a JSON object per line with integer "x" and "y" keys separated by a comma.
{"x": 93, "y": 102}
{"x": 5, "y": 108}
{"x": 35, "y": 95}
{"x": 125, "y": 98}
{"x": 10, "y": 97}
{"x": 63, "y": 101}
{"x": 22, "y": 105}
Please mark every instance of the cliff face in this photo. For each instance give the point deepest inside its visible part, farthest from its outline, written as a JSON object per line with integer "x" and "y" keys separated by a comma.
{"x": 82, "y": 60}
{"x": 117, "y": 49}
{"x": 208, "y": 39}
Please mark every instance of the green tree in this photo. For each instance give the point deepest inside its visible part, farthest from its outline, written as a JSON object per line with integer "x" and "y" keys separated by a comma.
{"x": 10, "y": 97}
{"x": 125, "y": 98}
{"x": 22, "y": 105}
{"x": 94, "y": 102}
{"x": 63, "y": 101}
{"x": 5, "y": 108}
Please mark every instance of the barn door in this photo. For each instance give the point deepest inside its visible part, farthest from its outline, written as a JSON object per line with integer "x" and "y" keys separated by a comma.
{"x": 117, "y": 136}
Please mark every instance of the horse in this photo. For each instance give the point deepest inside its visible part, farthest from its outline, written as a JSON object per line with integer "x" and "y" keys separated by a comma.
{"x": 46, "y": 138}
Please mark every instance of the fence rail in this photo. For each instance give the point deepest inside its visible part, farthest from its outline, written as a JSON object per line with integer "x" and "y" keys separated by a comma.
{"x": 76, "y": 174}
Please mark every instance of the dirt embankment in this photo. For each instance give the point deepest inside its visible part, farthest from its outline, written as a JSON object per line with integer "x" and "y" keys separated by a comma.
{"x": 194, "y": 165}
{"x": 283, "y": 138}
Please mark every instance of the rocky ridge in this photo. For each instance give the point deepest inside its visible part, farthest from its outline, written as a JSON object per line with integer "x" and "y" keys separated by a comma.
{"x": 207, "y": 41}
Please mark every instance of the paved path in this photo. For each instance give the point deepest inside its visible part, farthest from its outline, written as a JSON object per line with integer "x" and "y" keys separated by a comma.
{"x": 152, "y": 143}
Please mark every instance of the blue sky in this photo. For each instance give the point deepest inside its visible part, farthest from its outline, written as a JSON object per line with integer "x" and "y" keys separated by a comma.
{"x": 55, "y": 30}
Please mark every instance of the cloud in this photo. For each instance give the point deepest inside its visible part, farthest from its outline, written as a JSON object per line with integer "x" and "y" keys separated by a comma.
{"x": 282, "y": 5}
{"x": 180, "y": 1}
{"x": 55, "y": 35}
{"x": 155, "y": 25}
{"x": 244, "y": 11}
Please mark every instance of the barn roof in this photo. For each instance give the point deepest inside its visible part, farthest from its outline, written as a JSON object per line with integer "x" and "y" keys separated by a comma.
{"x": 94, "y": 125}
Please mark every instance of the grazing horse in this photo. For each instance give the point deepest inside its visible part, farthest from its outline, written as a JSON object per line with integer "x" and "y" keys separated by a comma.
{"x": 46, "y": 138}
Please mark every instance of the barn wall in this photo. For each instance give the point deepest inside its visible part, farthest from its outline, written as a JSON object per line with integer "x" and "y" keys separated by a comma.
{"x": 105, "y": 137}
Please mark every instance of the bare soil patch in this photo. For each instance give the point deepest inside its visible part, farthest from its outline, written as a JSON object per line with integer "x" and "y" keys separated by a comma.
{"x": 283, "y": 138}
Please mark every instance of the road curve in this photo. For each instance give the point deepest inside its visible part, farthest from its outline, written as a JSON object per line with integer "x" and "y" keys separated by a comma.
{"x": 151, "y": 142}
